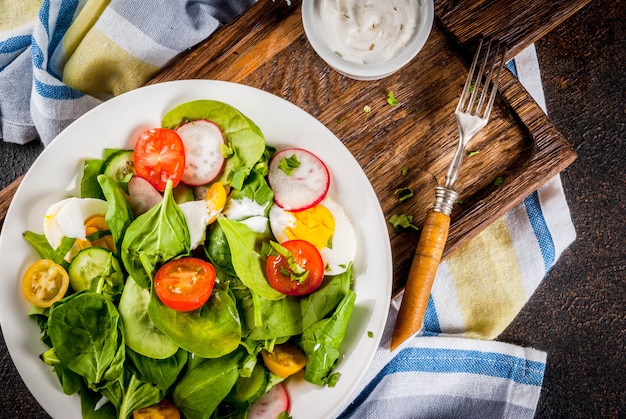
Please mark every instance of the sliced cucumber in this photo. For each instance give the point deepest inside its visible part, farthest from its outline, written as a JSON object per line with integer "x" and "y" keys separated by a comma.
{"x": 119, "y": 164}
{"x": 248, "y": 390}
{"x": 96, "y": 269}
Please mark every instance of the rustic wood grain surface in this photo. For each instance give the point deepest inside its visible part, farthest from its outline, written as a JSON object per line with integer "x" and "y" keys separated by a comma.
{"x": 266, "y": 48}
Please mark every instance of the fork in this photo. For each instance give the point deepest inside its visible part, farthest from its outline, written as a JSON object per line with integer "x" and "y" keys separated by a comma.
{"x": 472, "y": 114}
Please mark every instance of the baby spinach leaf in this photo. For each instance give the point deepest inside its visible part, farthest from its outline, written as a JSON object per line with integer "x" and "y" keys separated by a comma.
{"x": 246, "y": 260}
{"x": 85, "y": 333}
{"x": 241, "y": 135}
{"x": 322, "y": 340}
{"x": 201, "y": 389}
{"x": 119, "y": 214}
{"x": 45, "y": 251}
{"x": 162, "y": 372}
{"x": 89, "y": 186}
{"x": 141, "y": 335}
{"x": 155, "y": 237}
{"x": 211, "y": 331}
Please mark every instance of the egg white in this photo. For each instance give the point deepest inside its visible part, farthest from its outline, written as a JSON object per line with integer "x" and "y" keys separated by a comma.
{"x": 343, "y": 248}
{"x": 66, "y": 218}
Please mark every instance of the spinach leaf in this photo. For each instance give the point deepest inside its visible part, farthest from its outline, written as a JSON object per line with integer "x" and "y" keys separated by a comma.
{"x": 89, "y": 186}
{"x": 211, "y": 331}
{"x": 89, "y": 401}
{"x": 202, "y": 388}
{"x": 161, "y": 372}
{"x": 70, "y": 381}
{"x": 141, "y": 335}
{"x": 85, "y": 332}
{"x": 291, "y": 315}
{"x": 216, "y": 249}
{"x": 247, "y": 261}
{"x": 45, "y": 251}
{"x": 155, "y": 237}
{"x": 243, "y": 137}
{"x": 137, "y": 394}
{"x": 322, "y": 340}
{"x": 119, "y": 214}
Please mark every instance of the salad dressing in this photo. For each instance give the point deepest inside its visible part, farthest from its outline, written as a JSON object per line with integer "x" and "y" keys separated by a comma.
{"x": 367, "y": 31}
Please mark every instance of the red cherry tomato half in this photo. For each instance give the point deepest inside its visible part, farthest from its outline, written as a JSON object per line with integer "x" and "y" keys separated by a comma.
{"x": 307, "y": 257}
{"x": 185, "y": 284}
{"x": 159, "y": 157}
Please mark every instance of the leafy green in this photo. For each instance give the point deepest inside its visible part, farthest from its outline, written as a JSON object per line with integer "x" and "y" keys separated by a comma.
{"x": 89, "y": 186}
{"x": 211, "y": 331}
{"x": 246, "y": 260}
{"x": 241, "y": 135}
{"x": 85, "y": 331}
{"x": 322, "y": 340}
{"x": 142, "y": 336}
{"x": 162, "y": 372}
{"x": 155, "y": 237}
{"x": 45, "y": 251}
{"x": 203, "y": 387}
{"x": 119, "y": 214}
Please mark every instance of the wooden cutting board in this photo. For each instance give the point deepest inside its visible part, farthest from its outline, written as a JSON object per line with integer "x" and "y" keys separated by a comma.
{"x": 266, "y": 48}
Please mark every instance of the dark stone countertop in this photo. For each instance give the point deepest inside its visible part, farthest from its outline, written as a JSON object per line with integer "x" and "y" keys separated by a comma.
{"x": 578, "y": 313}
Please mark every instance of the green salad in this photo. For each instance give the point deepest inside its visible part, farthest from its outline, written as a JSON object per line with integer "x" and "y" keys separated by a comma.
{"x": 178, "y": 282}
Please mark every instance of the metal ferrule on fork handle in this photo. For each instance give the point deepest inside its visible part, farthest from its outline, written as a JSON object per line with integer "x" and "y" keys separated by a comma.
{"x": 444, "y": 200}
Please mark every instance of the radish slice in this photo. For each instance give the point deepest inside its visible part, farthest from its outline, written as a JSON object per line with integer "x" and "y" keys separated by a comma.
{"x": 142, "y": 195}
{"x": 203, "y": 155}
{"x": 305, "y": 187}
{"x": 271, "y": 404}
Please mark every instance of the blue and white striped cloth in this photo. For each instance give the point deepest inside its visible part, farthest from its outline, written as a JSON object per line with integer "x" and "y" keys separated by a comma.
{"x": 60, "y": 58}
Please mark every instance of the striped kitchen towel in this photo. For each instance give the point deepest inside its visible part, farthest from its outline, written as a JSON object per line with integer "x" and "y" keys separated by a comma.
{"x": 452, "y": 368}
{"x": 61, "y": 58}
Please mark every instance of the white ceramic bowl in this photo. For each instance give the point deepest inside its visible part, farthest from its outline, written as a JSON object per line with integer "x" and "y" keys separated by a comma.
{"x": 313, "y": 22}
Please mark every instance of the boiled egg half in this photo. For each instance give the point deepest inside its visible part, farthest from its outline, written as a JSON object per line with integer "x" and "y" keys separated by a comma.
{"x": 324, "y": 225}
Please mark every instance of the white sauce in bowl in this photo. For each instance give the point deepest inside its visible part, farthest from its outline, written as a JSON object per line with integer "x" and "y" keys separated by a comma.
{"x": 367, "y": 31}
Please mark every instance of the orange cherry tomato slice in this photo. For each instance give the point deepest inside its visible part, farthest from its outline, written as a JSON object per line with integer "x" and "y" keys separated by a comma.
{"x": 162, "y": 410}
{"x": 286, "y": 359}
{"x": 307, "y": 257}
{"x": 185, "y": 284}
{"x": 44, "y": 283}
{"x": 159, "y": 156}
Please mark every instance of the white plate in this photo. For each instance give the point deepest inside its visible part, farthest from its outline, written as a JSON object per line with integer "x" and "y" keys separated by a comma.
{"x": 116, "y": 123}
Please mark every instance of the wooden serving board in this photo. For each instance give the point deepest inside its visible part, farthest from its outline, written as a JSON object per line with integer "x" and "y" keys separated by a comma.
{"x": 266, "y": 48}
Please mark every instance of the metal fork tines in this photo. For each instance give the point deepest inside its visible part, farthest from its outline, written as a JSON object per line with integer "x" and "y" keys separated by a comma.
{"x": 476, "y": 101}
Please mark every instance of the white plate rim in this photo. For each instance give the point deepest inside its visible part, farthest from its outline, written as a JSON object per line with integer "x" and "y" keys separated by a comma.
{"x": 114, "y": 124}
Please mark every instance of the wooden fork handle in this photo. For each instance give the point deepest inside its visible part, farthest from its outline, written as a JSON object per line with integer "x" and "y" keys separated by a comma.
{"x": 421, "y": 277}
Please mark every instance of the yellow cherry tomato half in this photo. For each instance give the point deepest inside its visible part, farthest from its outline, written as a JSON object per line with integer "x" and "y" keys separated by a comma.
{"x": 215, "y": 199}
{"x": 162, "y": 410}
{"x": 44, "y": 283}
{"x": 286, "y": 359}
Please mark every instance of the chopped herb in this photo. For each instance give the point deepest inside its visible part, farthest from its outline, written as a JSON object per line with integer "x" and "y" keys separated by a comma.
{"x": 391, "y": 100}
{"x": 372, "y": 47}
{"x": 332, "y": 379}
{"x": 226, "y": 151}
{"x": 289, "y": 164}
{"x": 499, "y": 181}
{"x": 418, "y": 111}
{"x": 404, "y": 193}
{"x": 340, "y": 120}
{"x": 459, "y": 201}
{"x": 402, "y": 221}
{"x": 367, "y": 109}
{"x": 472, "y": 153}
{"x": 295, "y": 272}
{"x": 405, "y": 170}
{"x": 370, "y": 334}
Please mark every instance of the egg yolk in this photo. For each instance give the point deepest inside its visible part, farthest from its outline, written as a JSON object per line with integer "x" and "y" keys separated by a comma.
{"x": 93, "y": 225}
{"x": 315, "y": 225}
